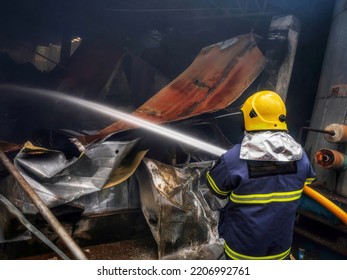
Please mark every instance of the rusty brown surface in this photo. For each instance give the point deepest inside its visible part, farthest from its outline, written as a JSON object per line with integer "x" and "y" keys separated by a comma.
{"x": 330, "y": 159}
{"x": 217, "y": 77}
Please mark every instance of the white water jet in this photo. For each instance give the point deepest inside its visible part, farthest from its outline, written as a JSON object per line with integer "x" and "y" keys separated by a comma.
{"x": 117, "y": 114}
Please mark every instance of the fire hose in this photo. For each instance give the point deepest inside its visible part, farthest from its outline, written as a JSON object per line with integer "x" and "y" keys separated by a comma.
{"x": 325, "y": 202}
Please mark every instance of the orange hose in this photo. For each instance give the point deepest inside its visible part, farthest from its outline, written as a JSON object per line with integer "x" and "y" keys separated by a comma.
{"x": 329, "y": 205}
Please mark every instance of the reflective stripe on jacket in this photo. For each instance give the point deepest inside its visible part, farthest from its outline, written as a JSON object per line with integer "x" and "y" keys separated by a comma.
{"x": 258, "y": 220}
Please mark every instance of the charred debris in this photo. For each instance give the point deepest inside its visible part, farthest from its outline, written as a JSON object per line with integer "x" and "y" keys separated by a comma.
{"x": 75, "y": 178}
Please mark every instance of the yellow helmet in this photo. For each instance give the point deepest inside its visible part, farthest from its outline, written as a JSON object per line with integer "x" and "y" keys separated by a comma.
{"x": 264, "y": 110}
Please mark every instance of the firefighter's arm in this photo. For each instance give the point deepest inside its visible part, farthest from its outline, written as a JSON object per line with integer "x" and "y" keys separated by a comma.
{"x": 217, "y": 180}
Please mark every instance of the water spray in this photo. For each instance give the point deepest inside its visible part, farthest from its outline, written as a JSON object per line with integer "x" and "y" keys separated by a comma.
{"x": 118, "y": 114}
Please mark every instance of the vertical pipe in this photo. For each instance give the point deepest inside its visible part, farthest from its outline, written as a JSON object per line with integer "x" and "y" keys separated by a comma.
{"x": 282, "y": 42}
{"x": 43, "y": 209}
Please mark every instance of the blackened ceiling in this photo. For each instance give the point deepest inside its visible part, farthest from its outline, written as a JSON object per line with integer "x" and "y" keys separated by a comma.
{"x": 45, "y": 20}
{"x": 181, "y": 27}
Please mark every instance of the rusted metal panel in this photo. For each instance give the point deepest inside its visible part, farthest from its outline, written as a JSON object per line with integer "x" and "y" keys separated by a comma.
{"x": 217, "y": 77}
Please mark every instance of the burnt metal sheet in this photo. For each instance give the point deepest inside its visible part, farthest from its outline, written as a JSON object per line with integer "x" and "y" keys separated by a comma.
{"x": 122, "y": 197}
{"x": 218, "y": 76}
{"x": 180, "y": 210}
{"x": 58, "y": 180}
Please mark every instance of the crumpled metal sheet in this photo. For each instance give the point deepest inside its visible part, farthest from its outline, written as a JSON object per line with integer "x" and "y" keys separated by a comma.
{"x": 119, "y": 198}
{"x": 218, "y": 76}
{"x": 180, "y": 210}
{"x": 58, "y": 181}
{"x": 270, "y": 146}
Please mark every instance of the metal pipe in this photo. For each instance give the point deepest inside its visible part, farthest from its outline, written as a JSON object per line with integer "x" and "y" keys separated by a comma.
{"x": 324, "y": 131}
{"x": 340, "y": 133}
{"x": 43, "y": 209}
{"x": 327, "y": 132}
{"x": 331, "y": 159}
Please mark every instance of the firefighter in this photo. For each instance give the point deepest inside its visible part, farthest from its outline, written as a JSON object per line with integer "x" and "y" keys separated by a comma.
{"x": 263, "y": 179}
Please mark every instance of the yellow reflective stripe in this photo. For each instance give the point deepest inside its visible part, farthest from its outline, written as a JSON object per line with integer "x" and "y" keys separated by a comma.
{"x": 266, "y": 198}
{"x": 214, "y": 186}
{"x": 237, "y": 256}
{"x": 309, "y": 181}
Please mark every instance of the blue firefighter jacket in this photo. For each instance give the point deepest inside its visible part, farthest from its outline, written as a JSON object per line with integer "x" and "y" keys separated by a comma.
{"x": 258, "y": 220}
